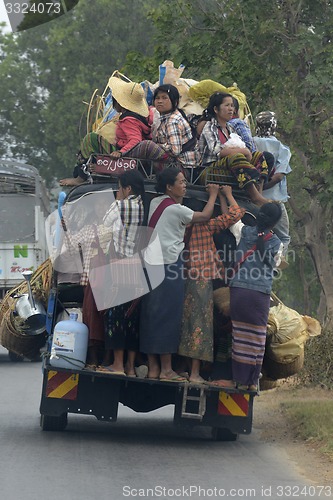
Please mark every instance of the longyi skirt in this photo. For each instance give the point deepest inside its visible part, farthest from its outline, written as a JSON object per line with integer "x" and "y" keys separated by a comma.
{"x": 249, "y": 313}
{"x": 197, "y": 337}
{"x": 161, "y": 313}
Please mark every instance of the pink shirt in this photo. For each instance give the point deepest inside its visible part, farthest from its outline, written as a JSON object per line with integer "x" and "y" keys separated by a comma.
{"x": 130, "y": 131}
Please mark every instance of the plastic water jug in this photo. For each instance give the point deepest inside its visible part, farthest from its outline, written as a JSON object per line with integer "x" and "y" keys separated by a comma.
{"x": 69, "y": 344}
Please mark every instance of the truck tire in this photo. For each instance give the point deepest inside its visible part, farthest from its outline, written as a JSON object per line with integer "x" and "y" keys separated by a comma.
{"x": 52, "y": 423}
{"x": 221, "y": 434}
{"x": 15, "y": 358}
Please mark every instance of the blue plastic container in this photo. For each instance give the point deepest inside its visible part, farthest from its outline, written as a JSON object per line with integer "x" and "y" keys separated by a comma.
{"x": 69, "y": 344}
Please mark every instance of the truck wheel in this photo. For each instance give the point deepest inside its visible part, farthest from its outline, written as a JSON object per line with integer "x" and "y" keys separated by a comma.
{"x": 52, "y": 423}
{"x": 15, "y": 358}
{"x": 221, "y": 434}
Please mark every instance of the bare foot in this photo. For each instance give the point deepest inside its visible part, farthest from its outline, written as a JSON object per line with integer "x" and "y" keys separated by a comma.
{"x": 153, "y": 367}
{"x": 223, "y": 383}
{"x": 129, "y": 370}
{"x": 71, "y": 181}
{"x": 154, "y": 374}
{"x": 255, "y": 196}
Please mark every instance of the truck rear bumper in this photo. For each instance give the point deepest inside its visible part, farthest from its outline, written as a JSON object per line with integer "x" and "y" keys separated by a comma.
{"x": 99, "y": 394}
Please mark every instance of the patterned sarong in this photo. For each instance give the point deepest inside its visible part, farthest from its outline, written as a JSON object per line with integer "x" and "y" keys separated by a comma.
{"x": 249, "y": 313}
{"x": 197, "y": 336}
{"x": 147, "y": 150}
{"x": 243, "y": 171}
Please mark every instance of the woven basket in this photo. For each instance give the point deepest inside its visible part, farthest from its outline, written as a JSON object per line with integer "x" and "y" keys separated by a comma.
{"x": 221, "y": 298}
{"x": 13, "y": 339}
{"x": 276, "y": 370}
{"x": 267, "y": 383}
{"x": 12, "y": 335}
{"x": 40, "y": 286}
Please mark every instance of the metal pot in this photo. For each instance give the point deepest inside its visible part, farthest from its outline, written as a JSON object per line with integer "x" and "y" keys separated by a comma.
{"x": 31, "y": 310}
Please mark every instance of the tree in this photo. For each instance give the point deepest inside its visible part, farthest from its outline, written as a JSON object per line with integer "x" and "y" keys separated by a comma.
{"x": 48, "y": 71}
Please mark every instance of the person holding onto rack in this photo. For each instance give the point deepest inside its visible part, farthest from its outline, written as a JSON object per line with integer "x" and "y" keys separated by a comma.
{"x": 161, "y": 309}
{"x": 203, "y": 264}
{"x": 258, "y": 253}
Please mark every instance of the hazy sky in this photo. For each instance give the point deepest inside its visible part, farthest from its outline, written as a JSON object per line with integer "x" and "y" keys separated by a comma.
{"x": 3, "y": 13}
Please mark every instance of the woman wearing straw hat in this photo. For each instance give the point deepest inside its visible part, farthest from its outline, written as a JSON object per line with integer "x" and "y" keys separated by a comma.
{"x": 133, "y": 131}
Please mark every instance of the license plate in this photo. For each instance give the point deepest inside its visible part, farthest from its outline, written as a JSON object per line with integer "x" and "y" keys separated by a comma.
{"x": 108, "y": 166}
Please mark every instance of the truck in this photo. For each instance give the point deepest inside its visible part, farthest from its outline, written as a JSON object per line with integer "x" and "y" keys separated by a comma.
{"x": 24, "y": 207}
{"x": 75, "y": 390}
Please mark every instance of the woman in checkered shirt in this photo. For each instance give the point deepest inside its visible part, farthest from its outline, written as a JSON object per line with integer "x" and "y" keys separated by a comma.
{"x": 174, "y": 133}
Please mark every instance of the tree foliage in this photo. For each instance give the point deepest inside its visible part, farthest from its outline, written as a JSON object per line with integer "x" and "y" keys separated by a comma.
{"x": 280, "y": 53}
{"x": 46, "y": 74}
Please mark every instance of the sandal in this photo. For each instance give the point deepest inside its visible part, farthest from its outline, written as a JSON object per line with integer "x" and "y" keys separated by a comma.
{"x": 90, "y": 367}
{"x": 111, "y": 371}
{"x": 173, "y": 378}
{"x": 242, "y": 387}
{"x": 224, "y": 384}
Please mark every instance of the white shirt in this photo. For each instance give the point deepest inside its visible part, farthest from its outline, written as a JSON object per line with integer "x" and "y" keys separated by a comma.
{"x": 282, "y": 157}
{"x": 170, "y": 229}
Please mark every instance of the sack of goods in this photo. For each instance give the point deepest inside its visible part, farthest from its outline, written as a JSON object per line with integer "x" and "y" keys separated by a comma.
{"x": 287, "y": 333}
{"x": 221, "y": 298}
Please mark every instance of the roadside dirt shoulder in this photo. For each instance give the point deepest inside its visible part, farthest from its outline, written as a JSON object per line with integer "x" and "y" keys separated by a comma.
{"x": 273, "y": 424}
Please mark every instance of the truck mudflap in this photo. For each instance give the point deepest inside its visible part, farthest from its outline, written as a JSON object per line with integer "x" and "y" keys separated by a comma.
{"x": 62, "y": 385}
{"x": 226, "y": 409}
{"x": 67, "y": 391}
{"x": 99, "y": 394}
{"x": 233, "y": 404}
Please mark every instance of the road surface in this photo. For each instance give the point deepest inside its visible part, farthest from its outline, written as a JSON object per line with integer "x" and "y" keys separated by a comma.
{"x": 140, "y": 456}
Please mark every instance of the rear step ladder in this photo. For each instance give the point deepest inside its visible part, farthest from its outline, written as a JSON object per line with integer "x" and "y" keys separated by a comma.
{"x": 201, "y": 400}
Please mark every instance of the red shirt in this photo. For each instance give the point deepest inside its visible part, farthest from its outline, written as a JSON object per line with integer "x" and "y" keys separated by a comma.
{"x": 203, "y": 261}
{"x": 130, "y": 131}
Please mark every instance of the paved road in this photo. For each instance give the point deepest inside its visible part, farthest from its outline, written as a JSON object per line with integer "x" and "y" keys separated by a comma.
{"x": 134, "y": 458}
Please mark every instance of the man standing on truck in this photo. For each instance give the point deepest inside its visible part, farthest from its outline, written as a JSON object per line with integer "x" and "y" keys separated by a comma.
{"x": 276, "y": 187}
